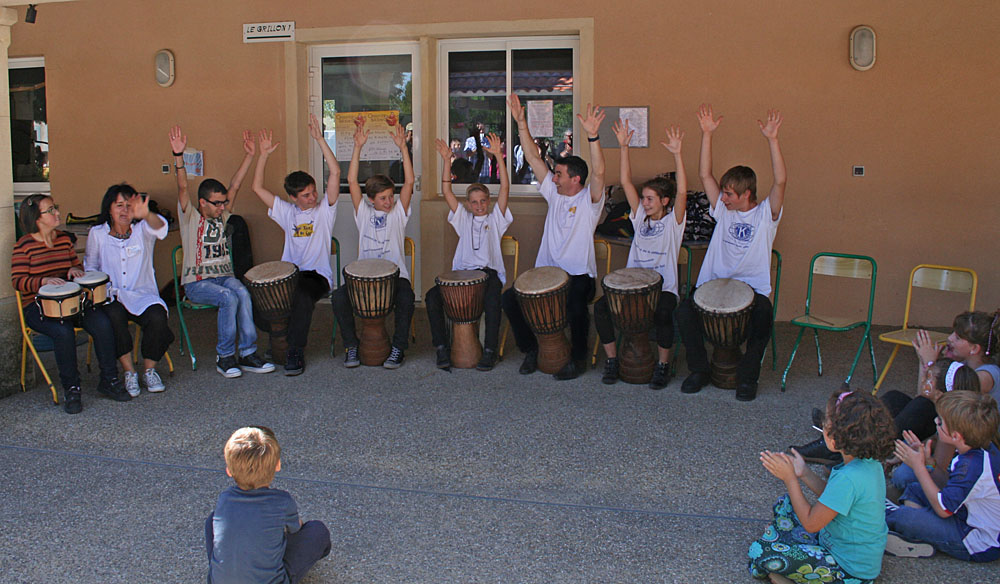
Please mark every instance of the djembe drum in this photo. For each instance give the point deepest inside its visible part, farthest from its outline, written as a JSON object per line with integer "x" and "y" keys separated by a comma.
{"x": 59, "y": 301}
{"x": 542, "y": 294}
{"x": 463, "y": 292}
{"x": 371, "y": 286}
{"x": 724, "y": 305}
{"x": 632, "y": 295}
{"x": 271, "y": 286}
{"x": 96, "y": 287}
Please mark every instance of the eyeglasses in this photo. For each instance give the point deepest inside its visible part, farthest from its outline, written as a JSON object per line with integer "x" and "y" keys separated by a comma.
{"x": 51, "y": 210}
{"x": 217, "y": 203}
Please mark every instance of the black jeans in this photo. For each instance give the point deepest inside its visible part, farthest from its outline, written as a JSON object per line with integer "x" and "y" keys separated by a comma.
{"x": 663, "y": 320}
{"x": 156, "y": 333}
{"x": 761, "y": 322}
{"x": 915, "y": 414}
{"x": 581, "y": 292}
{"x": 63, "y": 338}
{"x": 340, "y": 300}
{"x": 312, "y": 286}
{"x": 491, "y": 302}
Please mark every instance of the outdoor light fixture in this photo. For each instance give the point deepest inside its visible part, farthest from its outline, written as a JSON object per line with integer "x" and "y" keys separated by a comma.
{"x": 862, "y": 48}
{"x": 30, "y": 14}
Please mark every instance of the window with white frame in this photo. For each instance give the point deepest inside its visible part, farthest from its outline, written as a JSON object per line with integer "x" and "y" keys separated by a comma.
{"x": 29, "y": 131}
{"x": 476, "y": 75}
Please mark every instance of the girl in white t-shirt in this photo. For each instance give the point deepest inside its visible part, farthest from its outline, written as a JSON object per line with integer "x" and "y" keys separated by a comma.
{"x": 479, "y": 231}
{"x": 659, "y": 230}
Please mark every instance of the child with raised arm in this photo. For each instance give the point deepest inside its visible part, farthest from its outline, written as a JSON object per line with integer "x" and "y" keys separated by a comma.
{"x": 740, "y": 248}
{"x": 567, "y": 238}
{"x": 658, "y": 216}
{"x": 381, "y": 222}
{"x": 479, "y": 231}
{"x": 255, "y": 536}
{"x": 308, "y": 225}
{"x": 841, "y": 537}
{"x": 208, "y": 267}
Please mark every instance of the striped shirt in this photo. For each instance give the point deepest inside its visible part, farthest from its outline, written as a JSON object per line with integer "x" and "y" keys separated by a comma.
{"x": 32, "y": 261}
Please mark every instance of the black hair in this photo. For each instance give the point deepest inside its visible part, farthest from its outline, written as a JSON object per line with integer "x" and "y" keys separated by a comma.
{"x": 575, "y": 166}
{"x": 111, "y": 195}
{"x": 209, "y": 186}
{"x": 297, "y": 182}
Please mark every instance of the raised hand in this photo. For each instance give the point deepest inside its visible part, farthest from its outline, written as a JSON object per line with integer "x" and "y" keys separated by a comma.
{"x": 443, "y": 149}
{"x": 623, "y": 132}
{"x": 494, "y": 147}
{"x": 360, "y": 134}
{"x": 178, "y": 141}
{"x": 267, "y": 145}
{"x": 770, "y": 128}
{"x": 592, "y": 123}
{"x": 249, "y": 146}
{"x": 705, "y": 119}
{"x": 398, "y": 136}
{"x": 674, "y": 138}
{"x": 927, "y": 350}
{"x": 516, "y": 109}
{"x": 140, "y": 206}
{"x": 315, "y": 128}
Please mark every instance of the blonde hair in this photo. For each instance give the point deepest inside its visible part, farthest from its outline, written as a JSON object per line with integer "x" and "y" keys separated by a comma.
{"x": 477, "y": 187}
{"x": 972, "y": 414}
{"x": 252, "y": 456}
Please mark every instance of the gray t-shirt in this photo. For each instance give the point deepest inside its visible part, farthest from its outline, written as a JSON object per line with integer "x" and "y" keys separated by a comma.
{"x": 249, "y": 530}
{"x": 994, "y": 372}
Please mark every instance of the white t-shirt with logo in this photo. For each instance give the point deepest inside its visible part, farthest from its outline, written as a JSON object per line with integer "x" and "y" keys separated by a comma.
{"x": 741, "y": 246}
{"x": 568, "y": 235}
{"x": 380, "y": 234}
{"x": 307, "y": 234}
{"x": 479, "y": 239}
{"x": 656, "y": 244}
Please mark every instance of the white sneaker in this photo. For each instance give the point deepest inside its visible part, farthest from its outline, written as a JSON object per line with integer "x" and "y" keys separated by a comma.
{"x": 899, "y": 546}
{"x": 132, "y": 383}
{"x": 152, "y": 381}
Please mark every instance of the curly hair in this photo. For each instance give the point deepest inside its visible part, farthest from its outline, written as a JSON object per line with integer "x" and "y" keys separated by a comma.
{"x": 860, "y": 425}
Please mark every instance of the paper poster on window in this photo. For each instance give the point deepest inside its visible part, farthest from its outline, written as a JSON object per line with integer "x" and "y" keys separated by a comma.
{"x": 381, "y": 124}
{"x": 540, "y": 118}
{"x": 638, "y": 120}
{"x": 194, "y": 162}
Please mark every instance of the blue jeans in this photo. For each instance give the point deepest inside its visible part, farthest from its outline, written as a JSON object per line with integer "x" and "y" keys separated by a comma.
{"x": 235, "y": 312}
{"x": 923, "y": 524}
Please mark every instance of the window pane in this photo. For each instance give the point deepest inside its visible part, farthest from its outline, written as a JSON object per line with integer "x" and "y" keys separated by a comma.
{"x": 29, "y": 132}
{"x": 477, "y": 93}
{"x": 369, "y": 83}
{"x": 544, "y": 74}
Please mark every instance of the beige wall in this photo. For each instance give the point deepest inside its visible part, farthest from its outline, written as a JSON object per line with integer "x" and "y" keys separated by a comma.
{"x": 923, "y": 122}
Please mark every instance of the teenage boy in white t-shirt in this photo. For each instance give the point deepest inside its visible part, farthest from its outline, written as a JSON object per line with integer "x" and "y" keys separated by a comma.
{"x": 479, "y": 232}
{"x": 567, "y": 238}
{"x": 381, "y": 222}
{"x": 308, "y": 225}
{"x": 740, "y": 249}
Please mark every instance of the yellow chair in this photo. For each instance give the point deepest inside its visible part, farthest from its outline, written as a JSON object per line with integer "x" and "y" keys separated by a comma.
{"x": 602, "y": 251}
{"x": 943, "y": 278}
{"x": 410, "y": 249}
{"x": 509, "y": 247}
{"x": 135, "y": 350}
{"x": 28, "y": 339}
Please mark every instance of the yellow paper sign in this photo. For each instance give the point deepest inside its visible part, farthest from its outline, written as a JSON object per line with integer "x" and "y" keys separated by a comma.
{"x": 381, "y": 124}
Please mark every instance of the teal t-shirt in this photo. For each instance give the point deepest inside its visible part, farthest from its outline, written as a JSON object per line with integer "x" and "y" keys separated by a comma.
{"x": 856, "y": 536}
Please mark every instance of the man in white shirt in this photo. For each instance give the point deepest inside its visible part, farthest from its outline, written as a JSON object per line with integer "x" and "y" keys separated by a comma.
{"x": 308, "y": 225}
{"x": 567, "y": 238}
{"x": 740, "y": 249}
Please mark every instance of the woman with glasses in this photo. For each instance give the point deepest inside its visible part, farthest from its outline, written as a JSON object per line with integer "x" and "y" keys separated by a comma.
{"x": 46, "y": 256}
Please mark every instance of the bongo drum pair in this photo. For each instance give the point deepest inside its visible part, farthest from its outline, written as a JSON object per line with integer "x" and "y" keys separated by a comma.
{"x": 271, "y": 286}
{"x": 724, "y": 306}
{"x": 63, "y": 301}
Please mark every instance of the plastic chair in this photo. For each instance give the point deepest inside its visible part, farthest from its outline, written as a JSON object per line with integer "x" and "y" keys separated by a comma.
{"x": 29, "y": 339}
{"x": 933, "y": 277}
{"x": 135, "y": 350}
{"x": 509, "y": 247}
{"x": 843, "y": 266}
{"x": 776, "y": 268}
{"x": 602, "y": 251}
{"x": 335, "y": 250}
{"x": 410, "y": 249}
{"x": 183, "y": 303}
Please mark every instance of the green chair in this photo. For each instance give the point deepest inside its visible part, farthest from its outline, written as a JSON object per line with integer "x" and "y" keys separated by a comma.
{"x": 776, "y": 267}
{"x": 183, "y": 303}
{"x": 335, "y": 250}
{"x": 842, "y": 266}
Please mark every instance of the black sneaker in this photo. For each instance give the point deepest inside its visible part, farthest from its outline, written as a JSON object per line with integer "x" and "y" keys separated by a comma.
{"x": 114, "y": 390}
{"x": 611, "y": 369}
{"x": 746, "y": 391}
{"x": 569, "y": 371}
{"x": 818, "y": 418}
{"x": 530, "y": 363}
{"x": 255, "y": 364}
{"x": 295, "y": 362}
{"x": 899, "y": 546}
{"x": 228, "y": 366}
{"x": 443, "y": 357}
{"x": 695, "y": 382}
{"x": 351, "y": 357}
{"x": 816, "y": 452}
{"x": 395, "y": 359}
{"x": 661, "y": 376}
{"x": 488, "y": 360}
{"x": 71, "y": 400}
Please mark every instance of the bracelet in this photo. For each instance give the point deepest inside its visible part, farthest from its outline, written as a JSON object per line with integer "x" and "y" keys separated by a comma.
{"x": 447, "y": 181}
{"x": 177, "y": 153}
{"x": 929, "y": 364}
{"x": 594, "y": 139}
{"x": 178, "y": 167}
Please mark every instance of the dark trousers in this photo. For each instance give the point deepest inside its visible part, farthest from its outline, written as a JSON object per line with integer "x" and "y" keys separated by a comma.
{"x": 663, "y": 320}
{"x": 342, "y": 310}
{"x": 156, "y": 334}
{"x": 63, "y": 338}
{"x": 305, "y": 547}
{"x": 312, "y": 286}
{"x": 915, "y": 414}
{"x": 581, "y": 292}
{"x": 761, "y": 321}
{"x": 491, "y": 302}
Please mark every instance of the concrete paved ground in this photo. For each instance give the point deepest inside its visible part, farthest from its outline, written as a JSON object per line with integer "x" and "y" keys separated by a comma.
{"x": 422, "y": 475}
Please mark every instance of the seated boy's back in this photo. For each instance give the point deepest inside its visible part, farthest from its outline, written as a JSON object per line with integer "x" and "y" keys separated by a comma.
{"x": 249, "y": 535}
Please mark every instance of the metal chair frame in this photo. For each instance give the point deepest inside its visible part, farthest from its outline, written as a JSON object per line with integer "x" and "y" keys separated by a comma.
{"x": 509, "y": 246}
{"x": 28, "y": 337}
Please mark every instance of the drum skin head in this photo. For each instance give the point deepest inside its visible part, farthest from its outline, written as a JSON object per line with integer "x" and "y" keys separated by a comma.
{"x": 371, "y": 268}
{"x": 92, "y": 278}
{"x": 270, "y": 271}
{"x": 633, "y": 279}
{"x": 57, "y": 291}
{"x": 541, "y": 280}
{"x": 460, "y": 278}
{"x": 723, "y": 295}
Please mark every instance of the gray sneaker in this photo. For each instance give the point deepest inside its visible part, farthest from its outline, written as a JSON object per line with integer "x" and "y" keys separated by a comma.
{"x": 899, "y": 546}
{"x": 132, "y": 383}
{"x": 152, "y": 381}
{"x": 351, "y": 357}
{"x": 228, "y": 366}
